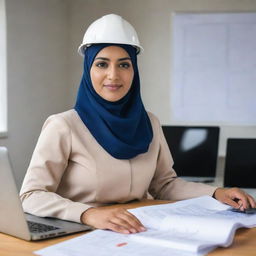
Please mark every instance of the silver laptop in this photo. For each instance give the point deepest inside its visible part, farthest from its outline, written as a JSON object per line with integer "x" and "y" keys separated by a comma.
{"x": 15, "y": 222}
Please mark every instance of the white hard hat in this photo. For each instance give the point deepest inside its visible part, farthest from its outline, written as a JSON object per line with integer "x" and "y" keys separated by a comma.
{"x": 110, "y": 28}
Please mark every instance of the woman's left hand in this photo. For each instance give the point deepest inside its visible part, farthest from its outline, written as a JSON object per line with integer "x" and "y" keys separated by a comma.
{"x": 235, "y": 197}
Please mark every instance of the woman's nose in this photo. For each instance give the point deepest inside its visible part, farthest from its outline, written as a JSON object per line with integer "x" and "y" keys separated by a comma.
{"x": 112, "y": 73}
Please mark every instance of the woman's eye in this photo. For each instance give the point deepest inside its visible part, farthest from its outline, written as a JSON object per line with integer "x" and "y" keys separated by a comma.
{"x": 125, "y": 65}
{"x": 101, "y": 64}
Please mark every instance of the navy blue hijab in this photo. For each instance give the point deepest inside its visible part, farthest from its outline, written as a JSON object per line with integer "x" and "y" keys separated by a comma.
{"x": 122, "y": 127}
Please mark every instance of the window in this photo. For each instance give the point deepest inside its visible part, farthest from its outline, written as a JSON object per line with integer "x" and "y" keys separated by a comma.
{"x": 3, "y": 80}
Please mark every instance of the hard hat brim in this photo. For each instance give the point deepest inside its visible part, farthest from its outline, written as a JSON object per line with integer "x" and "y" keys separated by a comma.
{"x": 82, "y": 47}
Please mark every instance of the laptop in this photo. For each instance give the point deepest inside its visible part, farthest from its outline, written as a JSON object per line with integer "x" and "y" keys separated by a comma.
{"x": 15, "y": 222}
{"x": 194, "y": 150}
{"x": 240, "y": 164}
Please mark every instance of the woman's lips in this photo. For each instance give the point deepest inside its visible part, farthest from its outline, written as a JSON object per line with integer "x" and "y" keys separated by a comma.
{"x": 112, "y": 87}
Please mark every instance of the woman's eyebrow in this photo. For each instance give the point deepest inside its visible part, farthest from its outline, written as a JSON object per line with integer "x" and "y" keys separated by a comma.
{"x": 102, "y": 58}
{"x": 107, "y": 59}
{"x": 126, "y": 58}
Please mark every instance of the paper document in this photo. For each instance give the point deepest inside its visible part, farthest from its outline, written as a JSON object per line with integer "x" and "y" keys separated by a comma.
{"x": 188, "y": 228}
{"x": 106, "y": 243}
{"x": 196, "y": 225}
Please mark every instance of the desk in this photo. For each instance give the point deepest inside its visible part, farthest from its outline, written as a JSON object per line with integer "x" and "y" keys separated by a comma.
{"x": 244, "y": 242}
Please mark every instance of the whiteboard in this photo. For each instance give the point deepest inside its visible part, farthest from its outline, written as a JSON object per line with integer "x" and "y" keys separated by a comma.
{"x": 214, "y": 68}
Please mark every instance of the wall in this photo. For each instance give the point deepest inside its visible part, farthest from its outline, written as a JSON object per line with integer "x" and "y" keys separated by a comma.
{"x": 3, "y": 82}
{"x": 36, "y": 73}
{"x": 44, "y": 69}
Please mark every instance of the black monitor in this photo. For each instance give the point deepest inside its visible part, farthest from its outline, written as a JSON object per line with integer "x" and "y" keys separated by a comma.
{"x": 194, "y": 149}
{"x": 240, "y": 165}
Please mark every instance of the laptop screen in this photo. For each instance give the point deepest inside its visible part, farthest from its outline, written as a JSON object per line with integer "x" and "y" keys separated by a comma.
{"x": 194, "y": 149}
{"x": 240, "y": 166}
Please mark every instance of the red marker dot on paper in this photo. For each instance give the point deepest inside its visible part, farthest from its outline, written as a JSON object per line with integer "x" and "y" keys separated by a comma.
{"x": 121, "y": 244}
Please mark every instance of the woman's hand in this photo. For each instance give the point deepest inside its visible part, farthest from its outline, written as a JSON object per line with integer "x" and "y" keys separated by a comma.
{"x": 116, "y": 219}
{"x": 235, "y": 197}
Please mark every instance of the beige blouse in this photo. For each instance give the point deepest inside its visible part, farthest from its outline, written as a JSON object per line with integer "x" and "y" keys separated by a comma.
{"x": 70, "y": 172}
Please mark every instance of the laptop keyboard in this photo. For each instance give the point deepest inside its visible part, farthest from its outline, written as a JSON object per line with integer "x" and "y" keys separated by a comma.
{"x": 35, "y": 227}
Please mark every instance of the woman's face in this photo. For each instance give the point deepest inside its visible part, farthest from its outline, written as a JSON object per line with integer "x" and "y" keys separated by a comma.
{"x": 112, "y": 73}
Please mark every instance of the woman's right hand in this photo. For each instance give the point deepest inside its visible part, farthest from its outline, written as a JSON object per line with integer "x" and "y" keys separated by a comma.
{"x": 116, "y": 219}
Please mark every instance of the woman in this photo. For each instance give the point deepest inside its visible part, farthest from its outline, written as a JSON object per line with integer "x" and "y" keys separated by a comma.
{"x": 107, "y": 149}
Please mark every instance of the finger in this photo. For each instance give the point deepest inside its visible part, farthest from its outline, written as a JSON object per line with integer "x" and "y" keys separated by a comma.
{"x": 134, "y": 222}
{"x": 120, "y": 221}
{"x": 239, "y": 195}
{"x": 117, "y": 228}
{"x": 129, "y": 217}
{"x": 134, "y": 218}
{"x": 252, "y": 201}
{"x": 243, "y": 198}
{"x": 241, "y": 208}
{"x": 231, "y": 202}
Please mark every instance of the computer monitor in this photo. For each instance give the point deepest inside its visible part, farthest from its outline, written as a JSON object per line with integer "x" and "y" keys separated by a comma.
{"x": 240, "y": 165}
{"x": 194, "y": 149}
